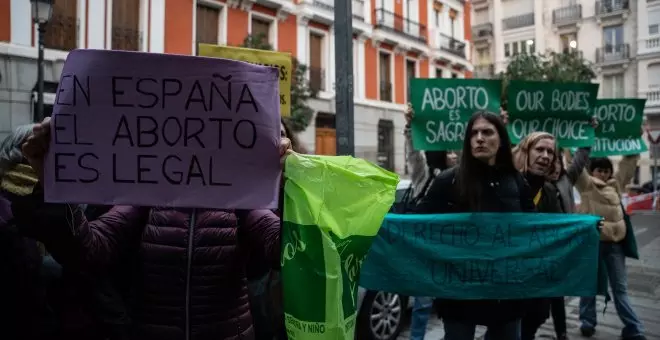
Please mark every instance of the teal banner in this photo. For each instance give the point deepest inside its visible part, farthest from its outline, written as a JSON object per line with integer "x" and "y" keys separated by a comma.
{"x": 485, "y": 256}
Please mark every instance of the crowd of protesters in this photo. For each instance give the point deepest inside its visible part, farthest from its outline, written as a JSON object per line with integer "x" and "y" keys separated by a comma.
{"x": 101, "y": 272}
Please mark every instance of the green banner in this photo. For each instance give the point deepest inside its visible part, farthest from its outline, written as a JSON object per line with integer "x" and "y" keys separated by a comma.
{"x": 619, "y": 127}
{"x": 327, "y": 229}
{"x": 562, "y": 109}
{"x": 485, "y": 256}
{"x": 444, "y": 106}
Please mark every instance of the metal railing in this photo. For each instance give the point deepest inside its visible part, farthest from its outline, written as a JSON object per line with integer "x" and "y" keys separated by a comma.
{"x": 649, "y": 44}
{"x": 396, "y": 23}
{"x": 611, "y": 6}
{"x": 358, "y": 9}
{"x": 325, "y": 4}
{"x": 451, "y": 45}
{"x": 481, "y": 31}
{"x": 613, "y": 53}
{"x": 126, "y": 39}
{"x": 518, "y": 21}
{"x": 567, "y": 14}
{"x": 653, "y": 98}
{"x": 316, "y": 79}
{"x": 61, "y": 33}
{"x": 385, "y": 91}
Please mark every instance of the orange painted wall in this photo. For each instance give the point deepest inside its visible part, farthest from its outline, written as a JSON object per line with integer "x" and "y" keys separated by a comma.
{"x": 371, "y": 71}
{"x": 467, "y": 20}
{"x": 179, "y": 27}
{"x": 424, "y": 68}
{"x": 424, "y": 17}
{"x": 237, "y": 26}
{"x": 5, "y": 20}
{"x": 399, "y": 76}
{"x": 373, "y": 11}
{"x": 286, "y": 35}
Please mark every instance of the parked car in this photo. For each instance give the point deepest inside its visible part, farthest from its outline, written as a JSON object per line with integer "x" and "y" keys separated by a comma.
{"x": 382, "y": 315}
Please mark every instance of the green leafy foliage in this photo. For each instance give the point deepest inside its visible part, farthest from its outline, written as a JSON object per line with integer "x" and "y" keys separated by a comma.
{"x": 551, "y": 66}
{"x": 301, "y": 113}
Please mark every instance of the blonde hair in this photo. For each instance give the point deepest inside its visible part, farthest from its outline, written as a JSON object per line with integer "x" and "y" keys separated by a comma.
{"x": 521, "y": 151}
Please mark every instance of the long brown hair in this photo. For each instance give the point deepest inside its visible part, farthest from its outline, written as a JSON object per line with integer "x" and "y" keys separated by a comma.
{"x": 521, "y": 151}
{"x": 296, "y": 145}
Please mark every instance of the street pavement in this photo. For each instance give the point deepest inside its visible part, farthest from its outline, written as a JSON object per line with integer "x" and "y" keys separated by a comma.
{"x": 643, "y": 290}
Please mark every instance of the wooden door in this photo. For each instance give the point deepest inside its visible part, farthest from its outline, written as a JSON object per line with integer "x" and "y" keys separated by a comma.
{"x": 126, "y": 25}
{"x": 62, "y": 29}
{"x": 326, "y": 141}
{"x": 207, "y": 24}
{"x": 316, "y": 71}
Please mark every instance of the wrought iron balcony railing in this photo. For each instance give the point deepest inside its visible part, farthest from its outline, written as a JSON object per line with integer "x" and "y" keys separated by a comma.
{"x": 611, "y": 6}
{"x": 518, "y": 21}
{"x": 398, "y": 24}
{"x": 567, "y": 14}
{"x": 451, "y": 45}
{"x": 612, "y": 53}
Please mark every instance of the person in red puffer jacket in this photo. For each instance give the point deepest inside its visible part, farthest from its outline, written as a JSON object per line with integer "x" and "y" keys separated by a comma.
{"x": 189, "y": 279}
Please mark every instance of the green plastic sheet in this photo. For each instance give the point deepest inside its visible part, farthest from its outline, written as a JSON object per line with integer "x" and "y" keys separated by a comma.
{"x": 333, "y": 209}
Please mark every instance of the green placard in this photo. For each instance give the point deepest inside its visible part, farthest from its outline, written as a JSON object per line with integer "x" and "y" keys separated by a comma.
{"x": 562, "y": 109}
{"x": 619, "y": 129}
{"x": 444, "y": 106}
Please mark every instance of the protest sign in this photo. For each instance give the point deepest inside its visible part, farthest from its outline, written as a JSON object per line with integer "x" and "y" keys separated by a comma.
{"x": 619, "y": 127}
{"x": 164, "y": 130}
{"x": 326, "y": 233}
{"x": 484, "y": 256}
{"x": 279, "y": 60}
{"x": 444, "y": 106}
{"x": 562, "y": 109}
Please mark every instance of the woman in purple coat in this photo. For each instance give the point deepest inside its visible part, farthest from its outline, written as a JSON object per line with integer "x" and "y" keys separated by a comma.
{"x": 189, "y": 278}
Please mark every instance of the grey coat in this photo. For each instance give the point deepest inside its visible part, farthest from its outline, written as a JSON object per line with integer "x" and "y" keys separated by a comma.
{"x": 568, "y": 178}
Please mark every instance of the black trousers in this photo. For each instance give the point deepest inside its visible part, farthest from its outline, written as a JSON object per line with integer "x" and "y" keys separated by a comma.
{"x": 539, "y": 313}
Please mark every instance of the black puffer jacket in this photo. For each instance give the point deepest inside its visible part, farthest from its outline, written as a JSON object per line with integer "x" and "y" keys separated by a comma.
{"x": 502, "y": 192}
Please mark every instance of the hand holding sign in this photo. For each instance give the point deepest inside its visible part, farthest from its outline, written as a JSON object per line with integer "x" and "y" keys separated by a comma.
{"x": 35, "y": 147}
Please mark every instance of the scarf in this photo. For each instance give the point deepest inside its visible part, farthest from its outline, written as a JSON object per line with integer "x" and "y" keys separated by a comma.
{"x": 20, "y": 180}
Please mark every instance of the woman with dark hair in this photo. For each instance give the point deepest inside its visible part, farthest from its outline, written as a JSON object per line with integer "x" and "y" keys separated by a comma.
{"x": 600, "y": 189}
{"x": 485, "y": 180}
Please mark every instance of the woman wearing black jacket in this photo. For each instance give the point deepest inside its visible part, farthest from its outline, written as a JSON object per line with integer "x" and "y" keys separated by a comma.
{"x": 485, "y": 180}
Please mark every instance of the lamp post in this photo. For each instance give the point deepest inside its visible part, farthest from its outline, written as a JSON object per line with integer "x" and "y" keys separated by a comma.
{"x": 41, "y": 13}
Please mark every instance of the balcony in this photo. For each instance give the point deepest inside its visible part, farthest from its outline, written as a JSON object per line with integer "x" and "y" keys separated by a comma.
{"x": 482, "y": 33}
{"x": 358, "y": 9}
{"x": 404, "y": 27}
{"x": 612, "y": 11}
{"x": 316, "y": 79}
{"x": 652, "y": 101}
{"x": 480, "y": 4}
{"x": 61, "y": 33}
{"x": 484, "y": 71}
{"x": 451, "y": 45}
{"x": 567, "y": 17}
{"x": 518, "y": 21}
{"x": 613, "y": 56}
{"x": 385, "y": 91}
{"x": 328, "y": 5}
{"x": 649, "y": 45}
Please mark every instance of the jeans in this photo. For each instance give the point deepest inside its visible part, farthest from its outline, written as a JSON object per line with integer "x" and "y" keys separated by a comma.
{"x": 455, "y": 330}
{"x": 420, "y": 317}
{"x": 615, "y": 262}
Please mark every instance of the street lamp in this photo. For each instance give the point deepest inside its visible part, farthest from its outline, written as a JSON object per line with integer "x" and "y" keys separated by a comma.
{"x": 41, "y": 13}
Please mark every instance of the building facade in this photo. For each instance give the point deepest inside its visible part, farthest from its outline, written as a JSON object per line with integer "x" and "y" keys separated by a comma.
{"x": 394, "y": 40}
{"x": 620, "y": 38}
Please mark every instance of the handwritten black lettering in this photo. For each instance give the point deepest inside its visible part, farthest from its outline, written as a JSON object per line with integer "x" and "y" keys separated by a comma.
{"x": 89, "y": 168}
{"x": 69, "y": 82}
{"x": 118, "y": 92}
{"x": 59, "y": 166}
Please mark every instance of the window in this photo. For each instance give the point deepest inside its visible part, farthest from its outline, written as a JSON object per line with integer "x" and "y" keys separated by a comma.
{"x": 568, "y": 42}
{"x": 411, "y": 67}
{"x": 438, "y": 73}
{"x": 386, "y": 144}
{"x": 454, "y": 75}
{"x": 207, "y": 24}
{"x": 261, "y": 27}
{"x": 515, "y": 47}
{"x": 653, "y": 17}
{"x": 613, "y": 39}
{"x": 613, "y": 86}
{"x": 507, "y": 50}
{"x": 385, "y": 77}
{"x": 483, "y": 56}
{"x": 62, "y": 30}
{"x": 530, "y": 45}
{"x": 437, "y": 18}
{"x": 653, "y": 76}
{"x": 126, "y": 25}
{"x": 316, "y": 71}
